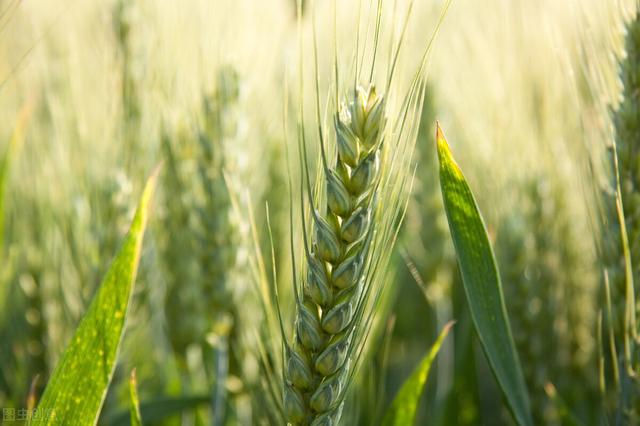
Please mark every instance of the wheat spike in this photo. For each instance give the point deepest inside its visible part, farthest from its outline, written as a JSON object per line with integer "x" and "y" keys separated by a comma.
{"x": 326, "y": 316}
{"x": 202, "y": 241}
{"x": 548, "y": 305}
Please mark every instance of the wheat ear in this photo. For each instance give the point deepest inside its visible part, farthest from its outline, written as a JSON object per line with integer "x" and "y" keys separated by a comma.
{"x": 317, "y": 364}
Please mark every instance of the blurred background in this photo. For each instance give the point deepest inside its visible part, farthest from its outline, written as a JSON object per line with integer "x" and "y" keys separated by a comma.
{"x": 103, "y": 91}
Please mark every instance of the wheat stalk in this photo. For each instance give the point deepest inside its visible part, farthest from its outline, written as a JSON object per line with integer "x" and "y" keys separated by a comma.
{"x": 622, "y": 237}
{"x": 627, "y": 128}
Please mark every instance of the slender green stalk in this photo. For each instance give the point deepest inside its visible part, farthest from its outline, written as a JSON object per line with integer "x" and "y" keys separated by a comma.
{"x": 622, "y": 240}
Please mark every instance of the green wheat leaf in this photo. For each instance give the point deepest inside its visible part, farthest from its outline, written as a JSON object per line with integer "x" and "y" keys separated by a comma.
{"x": 482, "y": 283}
{"x": 79, "y": 383}
{"x": 136, "y": 417}
{"x": 402, "y": 411}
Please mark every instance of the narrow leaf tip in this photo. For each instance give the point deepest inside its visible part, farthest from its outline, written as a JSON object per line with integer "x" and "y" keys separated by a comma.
{"x": 441, "y": 142}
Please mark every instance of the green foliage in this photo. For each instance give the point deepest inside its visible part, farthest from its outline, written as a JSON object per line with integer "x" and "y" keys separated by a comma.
{"x": 627, "y": 125}
{"x": 621, "y": 234}
{"x": 624, "y": 183}
{"x": 158, "y": 410}
{"x": 482, "y": 282}
{"x": 136, "y": 417}
{"x": 78, "y": 385}
{"x": 549, "y": 308}
{"x": 199, "y": 237}
{"x": 5, "y": 162}
{"x": 213, "y": 91}
{"x": 405, "y": 405}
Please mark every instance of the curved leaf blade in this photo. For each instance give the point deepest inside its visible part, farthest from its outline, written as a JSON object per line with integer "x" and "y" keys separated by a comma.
{"x": 79, "y": 383}
{"x": 402, "y": 411}
{"x": 481, "y": 282}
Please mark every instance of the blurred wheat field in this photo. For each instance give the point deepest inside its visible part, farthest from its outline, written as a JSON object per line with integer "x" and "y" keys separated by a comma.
{"x": 252, "y": 108}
